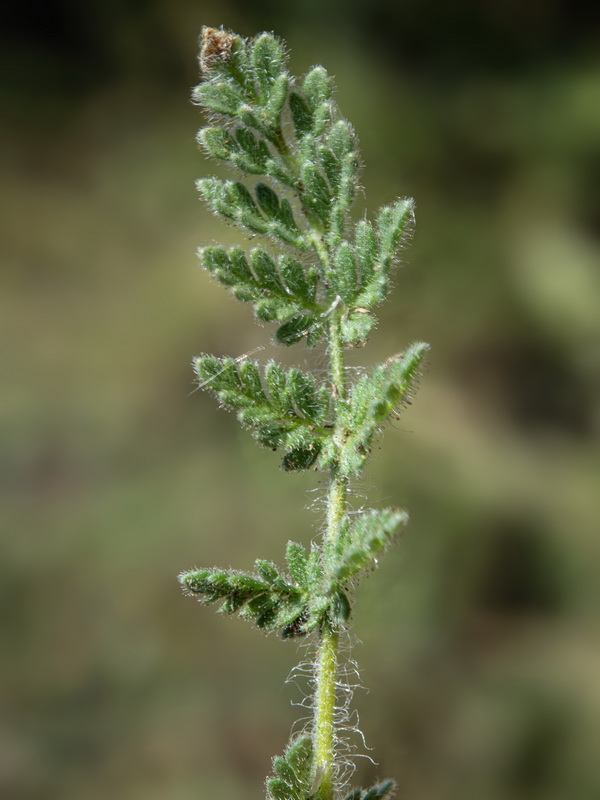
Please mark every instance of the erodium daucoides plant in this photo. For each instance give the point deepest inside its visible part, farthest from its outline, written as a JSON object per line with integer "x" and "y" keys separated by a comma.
{"x": 318, "y": 276}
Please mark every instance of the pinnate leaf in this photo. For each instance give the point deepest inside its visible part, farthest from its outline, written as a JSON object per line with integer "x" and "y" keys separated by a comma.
{"x": 282, "y": 409}
{"x": 373, "y": 399}
{"x": 275, "y": 295}
{"x": 265, "y": 597}
{"x": 367, "y": 537}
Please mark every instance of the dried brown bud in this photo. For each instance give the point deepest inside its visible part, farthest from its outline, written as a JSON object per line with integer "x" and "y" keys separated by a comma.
{"x": 216, "y": 44}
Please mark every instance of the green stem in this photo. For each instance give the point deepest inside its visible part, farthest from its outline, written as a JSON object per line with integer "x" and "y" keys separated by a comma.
{"x": 327, "y": 659}
{"x": 324, "y": 733}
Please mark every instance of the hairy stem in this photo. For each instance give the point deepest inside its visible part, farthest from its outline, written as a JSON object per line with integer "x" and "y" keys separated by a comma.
{"x": 324, "y": 733}
{"x": 327, "y": 661}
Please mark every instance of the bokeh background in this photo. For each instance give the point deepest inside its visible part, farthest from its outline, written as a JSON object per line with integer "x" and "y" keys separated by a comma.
{"x": 479, "y": 633}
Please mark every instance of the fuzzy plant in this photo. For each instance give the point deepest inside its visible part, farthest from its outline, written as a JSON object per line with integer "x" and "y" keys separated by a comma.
{"x": 318, "y": 274}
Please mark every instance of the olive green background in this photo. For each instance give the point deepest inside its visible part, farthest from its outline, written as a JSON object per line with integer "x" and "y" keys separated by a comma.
{"x": 479, "y": 634}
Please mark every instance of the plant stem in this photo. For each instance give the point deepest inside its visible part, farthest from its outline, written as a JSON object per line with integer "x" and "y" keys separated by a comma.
{"x": 324, "y": 733}
{"x": 327, "y": 660}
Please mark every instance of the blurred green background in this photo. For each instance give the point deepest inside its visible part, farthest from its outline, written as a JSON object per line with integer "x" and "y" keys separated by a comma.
{"x": 480, "y": 632}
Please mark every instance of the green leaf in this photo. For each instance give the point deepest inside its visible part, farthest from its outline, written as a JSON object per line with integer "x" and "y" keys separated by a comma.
{"x": 266, "y": 273}
{"x": 316, "y": 196}
{"x": 239, "y": 266}
{"x": 341, "y": 139}
{"x": 255, "y": 149}
{"x": 268, "y": 61}
{"x": 262, "y": 286}
{"x": 303, "y": 391}
{"x": 267, "y": 572}
{"x": 302, "y": 116}
{"x": 381, "y": 791}
{"x": 391, "y": 224}
{"x": 295, "y": 329}
{"x": 331, "y": 166}
{"x": 299, "y": 757}
{"x": 339, "y": 608}
{"x": 220, "y": 98}
{"x": 373, "y": 399}
{"x": 283, "y": 770}
{"x": 274, "y": 310}
{"x": 267, "y": 200}
{"x": 251, "y": 382}
{"x": 292, "y": 771}
{"x": 277, "y": 386}
{"x": 277, "y": 97}
{"x": 345, "y": 273}
{"x": 285, "y": 410}
{"x": 317, "y": 87}
{"x": 217, "y": 374}
{"x": 280, "y": 790}
{"x": 297, "y": 282}
{"x": 344, "y": 197}
{"x": 316, "y": 333}
{"x": 266, "y": 598}
{"x": 216, "y": 142}
{"x": 301, "y": 457}
{"x": 297, "y": 561}
{"x": 242, "y": 149}
{"x": 370, "y": 534}
{"x": 280, "y": 215}
{"x": 356, "y": 327}
{"x": 314, "y": 568}
{"x": 232, "y": 200}
{"x": 365, "y": 250}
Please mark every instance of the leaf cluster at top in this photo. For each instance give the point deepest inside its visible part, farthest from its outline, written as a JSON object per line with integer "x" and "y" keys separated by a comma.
{"x": 291, "y": 136}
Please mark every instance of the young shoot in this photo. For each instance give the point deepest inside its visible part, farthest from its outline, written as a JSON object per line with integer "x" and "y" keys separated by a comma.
{"x": 320, "y": 288}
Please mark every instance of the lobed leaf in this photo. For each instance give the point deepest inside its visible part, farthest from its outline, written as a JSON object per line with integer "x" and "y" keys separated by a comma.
{"x": 267, "y": 598}
{"x": 369, "y": 535}
{"x": 241, "y": 149}
{"x": 274, "y": 296}
{"x": 292, "y": 771}
{"x": 233, "y": 201}
{"x": 373, "y": 399}
{"x": 283, "y": 409}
